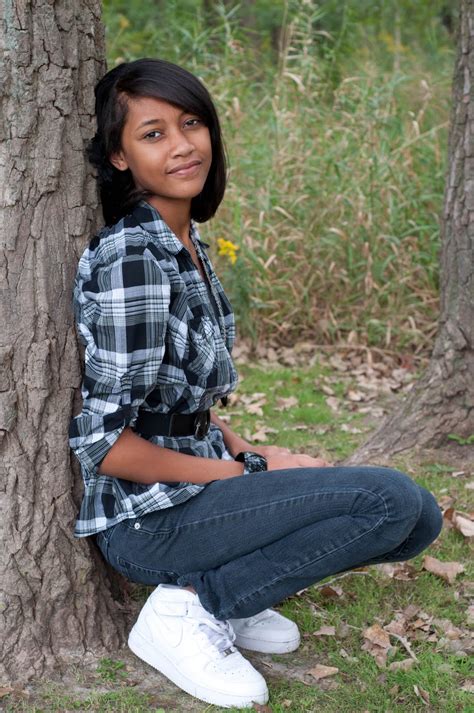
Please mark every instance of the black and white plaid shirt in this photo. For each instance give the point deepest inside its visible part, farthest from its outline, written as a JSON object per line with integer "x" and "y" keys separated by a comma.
{"x": 155, "y": 337}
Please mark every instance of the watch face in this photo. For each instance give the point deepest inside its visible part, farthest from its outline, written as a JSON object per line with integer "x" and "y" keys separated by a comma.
{"x": 255, "y": 462}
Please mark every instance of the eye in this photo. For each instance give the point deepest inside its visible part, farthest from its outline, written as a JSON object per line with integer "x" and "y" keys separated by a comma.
{"x": 155, "y": 134}
{"x": 194, "y": 121}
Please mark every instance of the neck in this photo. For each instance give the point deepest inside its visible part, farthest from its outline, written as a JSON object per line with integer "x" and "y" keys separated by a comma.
{"x": 176, "y": 214}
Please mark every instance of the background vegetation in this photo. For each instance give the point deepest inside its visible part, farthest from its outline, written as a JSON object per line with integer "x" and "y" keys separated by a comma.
{"x": 335, "y": 116}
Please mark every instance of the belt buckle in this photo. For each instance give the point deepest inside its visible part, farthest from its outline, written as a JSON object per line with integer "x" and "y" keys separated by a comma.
{"x": 201, "y": 425}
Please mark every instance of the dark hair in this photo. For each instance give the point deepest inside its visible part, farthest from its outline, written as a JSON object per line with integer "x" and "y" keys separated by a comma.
{"x": 161, "y": 80}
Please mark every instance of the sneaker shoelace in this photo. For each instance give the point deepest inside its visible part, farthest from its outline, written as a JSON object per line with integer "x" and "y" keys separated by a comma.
{"x": 216, "y": 635}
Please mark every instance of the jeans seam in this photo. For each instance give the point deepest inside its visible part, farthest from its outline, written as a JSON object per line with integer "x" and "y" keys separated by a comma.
{"x": 222, "y": 516}
{"x": 307, "y": 564}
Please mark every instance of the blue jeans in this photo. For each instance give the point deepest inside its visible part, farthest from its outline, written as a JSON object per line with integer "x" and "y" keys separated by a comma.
{"x": 248, "y": 542}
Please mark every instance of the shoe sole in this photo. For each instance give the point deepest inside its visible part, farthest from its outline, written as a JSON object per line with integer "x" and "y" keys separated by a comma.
{"x": 267, "y": 647}
{"x": 141, "y": 648}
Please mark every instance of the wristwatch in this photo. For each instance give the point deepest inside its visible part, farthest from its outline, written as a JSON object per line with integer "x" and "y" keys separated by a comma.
{"x": 253, "y": 462}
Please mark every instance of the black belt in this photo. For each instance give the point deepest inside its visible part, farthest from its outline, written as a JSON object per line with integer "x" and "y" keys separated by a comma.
{"x": 173, "y": 424}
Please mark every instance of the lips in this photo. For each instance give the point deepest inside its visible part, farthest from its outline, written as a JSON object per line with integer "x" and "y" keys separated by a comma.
{"x": 185, "y": 168}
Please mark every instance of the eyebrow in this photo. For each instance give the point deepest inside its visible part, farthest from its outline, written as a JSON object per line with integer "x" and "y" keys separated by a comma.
{"x": 148, "y": 122}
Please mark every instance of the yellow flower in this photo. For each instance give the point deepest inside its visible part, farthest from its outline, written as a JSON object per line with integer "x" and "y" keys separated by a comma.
{"x": 124, "y": 22}
{"x": 228, "y": 248}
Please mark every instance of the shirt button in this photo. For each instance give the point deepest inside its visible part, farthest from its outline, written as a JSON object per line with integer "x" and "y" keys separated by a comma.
{"x": 137, "y": 526}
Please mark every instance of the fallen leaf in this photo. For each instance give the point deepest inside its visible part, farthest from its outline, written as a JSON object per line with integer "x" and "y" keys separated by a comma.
{"x": 423, "y": 695}
{"x": 404, "y": 665}
{"x": 377, "y": 644}
{"x": 468, "y": 686}
{"x": 445, "y": 501}
{"x": 262, "y": 709}
{"x": 460, "y": 521}
{"x": 356, "y": 395}
{"x": 320, "y": 671}
{"x": 411, "y": 611}
{"x": 350, "y": 429}
{"x": 402, "y": 571}
{"x": 325, "y": 631}
{"x": 255, "y": 409}
{"x": 376, "y": 635}
{"x": 448, "y": 628}
{"x": 398, "y": 627}
{"x": 446, "y": 570}
{"x": 285, "y": 403}
{"x": 333, "y": 403}
{"x": 331, "y": 592}
{"x": 259, "y": 436}
{"x": 5, "y": 691}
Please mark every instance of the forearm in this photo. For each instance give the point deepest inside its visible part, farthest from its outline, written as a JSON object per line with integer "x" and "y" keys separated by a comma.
{"x": 133, "y": 458}
{"x": 234, "y": 443}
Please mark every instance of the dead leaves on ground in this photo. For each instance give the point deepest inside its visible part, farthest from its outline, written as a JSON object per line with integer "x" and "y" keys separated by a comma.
{"x": 409, "y": 626}
{"x": 402, "y": 571}
{"x": 367, "y": 374}
{"x": 460, "y": 521}
{"x": 446, "y": 570}
{"x": 320, "y": 671}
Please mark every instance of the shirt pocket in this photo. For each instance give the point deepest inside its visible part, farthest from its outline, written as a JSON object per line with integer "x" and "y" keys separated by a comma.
{"x": 202, "y": 346}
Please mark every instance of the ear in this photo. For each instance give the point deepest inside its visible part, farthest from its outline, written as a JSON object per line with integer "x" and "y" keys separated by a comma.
{"x": 118, "y": 161}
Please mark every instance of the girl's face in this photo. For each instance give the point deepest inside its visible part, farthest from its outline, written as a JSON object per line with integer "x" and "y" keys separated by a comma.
{"x": 167, "y": 150}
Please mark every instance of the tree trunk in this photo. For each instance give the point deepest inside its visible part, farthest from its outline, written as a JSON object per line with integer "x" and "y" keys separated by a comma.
{"x": 54, "y": 600}
{"x": 442, "y": 403}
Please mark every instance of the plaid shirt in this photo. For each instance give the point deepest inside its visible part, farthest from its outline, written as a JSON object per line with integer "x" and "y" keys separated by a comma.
{"x": 155, "y": 337}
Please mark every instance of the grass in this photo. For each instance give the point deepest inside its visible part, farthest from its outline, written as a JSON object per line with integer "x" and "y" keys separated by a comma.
{"x": 121, "y": 683}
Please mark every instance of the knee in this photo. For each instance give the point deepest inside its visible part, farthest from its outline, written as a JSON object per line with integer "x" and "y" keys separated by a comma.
{"x": 401, "y": 493}
{"x": 402, "y": 502}
{"x": 422, "y": 514}
{"x": 429, "y": 524}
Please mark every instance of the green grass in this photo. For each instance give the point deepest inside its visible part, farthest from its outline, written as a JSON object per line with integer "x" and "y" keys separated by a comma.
{"x": 368, "y": 597}
{"x": 322, "y": 436}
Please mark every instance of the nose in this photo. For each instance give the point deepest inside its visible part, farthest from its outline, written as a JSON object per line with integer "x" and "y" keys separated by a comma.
{"x": 181, "y": 145}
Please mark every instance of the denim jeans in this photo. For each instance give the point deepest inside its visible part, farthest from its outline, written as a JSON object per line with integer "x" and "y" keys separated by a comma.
{"x": 246, "y": 543}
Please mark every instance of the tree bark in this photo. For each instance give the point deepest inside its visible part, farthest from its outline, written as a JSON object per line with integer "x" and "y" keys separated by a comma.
{"x": 442, "y": 402}
{"x": 54, "y": 600}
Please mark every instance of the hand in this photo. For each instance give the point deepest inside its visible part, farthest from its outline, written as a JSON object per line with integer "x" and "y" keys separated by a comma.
{"x": 268, "y": 451}
{"x": 281, "y": 461}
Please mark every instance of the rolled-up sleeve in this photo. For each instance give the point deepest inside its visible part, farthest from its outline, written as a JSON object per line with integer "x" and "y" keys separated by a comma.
{"x": 123, "y": 311}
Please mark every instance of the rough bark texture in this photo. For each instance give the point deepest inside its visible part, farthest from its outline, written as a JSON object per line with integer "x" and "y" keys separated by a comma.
{"x": 54, "y": 601}
{"x": 442, "y": 403}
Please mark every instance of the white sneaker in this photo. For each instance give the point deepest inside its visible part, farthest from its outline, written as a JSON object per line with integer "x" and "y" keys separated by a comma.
{"x": 268, "y": 632}
{"x": 178, "y": 637}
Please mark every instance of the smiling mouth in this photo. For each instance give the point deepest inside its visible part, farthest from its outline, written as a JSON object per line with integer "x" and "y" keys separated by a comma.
{"x": 185, "y": 168}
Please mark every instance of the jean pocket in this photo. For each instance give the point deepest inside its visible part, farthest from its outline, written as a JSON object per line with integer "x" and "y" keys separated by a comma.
{"x": 145, "y": 575}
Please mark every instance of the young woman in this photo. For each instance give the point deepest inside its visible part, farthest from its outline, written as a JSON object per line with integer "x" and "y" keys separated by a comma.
{"x": 175, "y": 498}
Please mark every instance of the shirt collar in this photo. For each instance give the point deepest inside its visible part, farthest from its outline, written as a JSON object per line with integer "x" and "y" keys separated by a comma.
{"x": 151, "y": 221}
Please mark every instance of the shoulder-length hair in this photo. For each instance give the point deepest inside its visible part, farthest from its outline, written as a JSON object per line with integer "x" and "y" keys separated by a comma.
{"x": 161, "y": 80}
